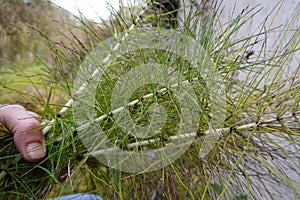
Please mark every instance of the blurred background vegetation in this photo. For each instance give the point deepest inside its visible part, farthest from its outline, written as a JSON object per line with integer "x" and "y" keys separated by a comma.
{"x": 19, "y": 23}
{"x": 36, "y": 36}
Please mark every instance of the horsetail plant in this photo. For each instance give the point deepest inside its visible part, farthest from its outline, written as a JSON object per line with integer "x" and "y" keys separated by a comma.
{"x": 255, "y": 151}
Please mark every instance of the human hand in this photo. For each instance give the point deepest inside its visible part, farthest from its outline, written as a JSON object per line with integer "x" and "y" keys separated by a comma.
{"x": 28, "y": 136}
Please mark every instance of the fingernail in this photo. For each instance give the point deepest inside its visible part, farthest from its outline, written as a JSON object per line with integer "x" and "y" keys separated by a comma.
{"x": 35, "y": 150}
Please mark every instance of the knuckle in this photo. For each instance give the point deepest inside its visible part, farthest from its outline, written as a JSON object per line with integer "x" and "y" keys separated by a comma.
{"x": 25, "y": 128}
{"x": 16, "y": 107}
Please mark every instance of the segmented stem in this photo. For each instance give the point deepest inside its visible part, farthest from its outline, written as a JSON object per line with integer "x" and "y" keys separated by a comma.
{"x": 82, "y": 88}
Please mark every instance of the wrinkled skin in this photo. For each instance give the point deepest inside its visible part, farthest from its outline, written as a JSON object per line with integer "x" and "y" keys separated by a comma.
{"x": 25, "y": 127}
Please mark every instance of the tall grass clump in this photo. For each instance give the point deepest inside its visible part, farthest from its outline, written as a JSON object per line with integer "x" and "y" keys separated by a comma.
{"x": 256, "y": 152}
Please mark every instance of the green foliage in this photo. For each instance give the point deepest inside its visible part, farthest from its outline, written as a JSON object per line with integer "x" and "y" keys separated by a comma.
{"x": 260, "y": 131}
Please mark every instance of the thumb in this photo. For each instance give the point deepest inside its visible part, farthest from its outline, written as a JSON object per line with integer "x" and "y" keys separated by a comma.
{"x": 28, "y": 136}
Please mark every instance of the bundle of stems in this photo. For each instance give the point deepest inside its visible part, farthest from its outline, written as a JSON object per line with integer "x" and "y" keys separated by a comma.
{"x": 258, "y": 142}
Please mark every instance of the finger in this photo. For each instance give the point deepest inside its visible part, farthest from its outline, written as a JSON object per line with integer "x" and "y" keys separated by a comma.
{"x": 36, "y": 116}
{"x": 33, "y": 114}
{"x": 28, "y": 137}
